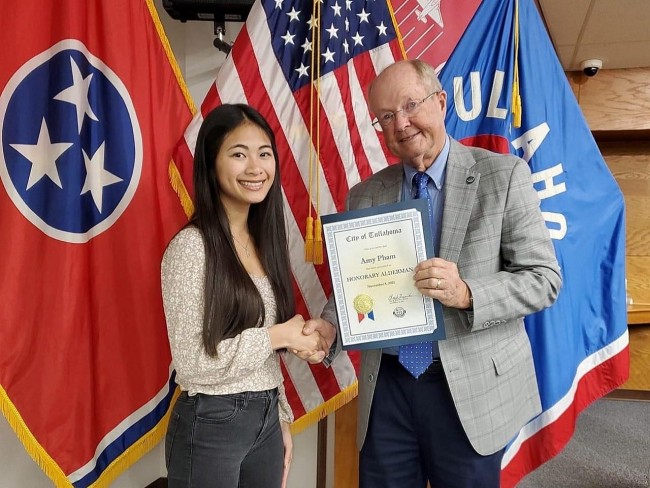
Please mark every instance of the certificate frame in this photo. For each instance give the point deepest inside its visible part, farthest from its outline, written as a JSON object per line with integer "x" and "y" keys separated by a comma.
{"x": 377, "y": 303}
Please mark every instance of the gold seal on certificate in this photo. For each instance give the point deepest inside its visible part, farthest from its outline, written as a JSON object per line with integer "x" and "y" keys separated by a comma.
{"x": 363, "y": 304}
{"x": 372, "y": 254}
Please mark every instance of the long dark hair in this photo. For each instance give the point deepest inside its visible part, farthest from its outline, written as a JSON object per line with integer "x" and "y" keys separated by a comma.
{"x": 232, "y": 301}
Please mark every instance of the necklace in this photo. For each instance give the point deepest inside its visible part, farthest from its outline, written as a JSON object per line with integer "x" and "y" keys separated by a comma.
{"x": 248, "y": 255}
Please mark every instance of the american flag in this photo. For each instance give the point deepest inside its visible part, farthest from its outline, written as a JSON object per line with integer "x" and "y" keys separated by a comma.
{"x": 270, "y": 67}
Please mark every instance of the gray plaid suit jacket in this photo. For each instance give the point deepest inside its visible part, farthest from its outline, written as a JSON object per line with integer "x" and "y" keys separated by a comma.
{"x": 493, "y": 229}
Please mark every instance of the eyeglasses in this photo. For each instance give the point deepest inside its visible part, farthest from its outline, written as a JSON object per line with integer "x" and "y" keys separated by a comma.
{"x": 409, "y": 110}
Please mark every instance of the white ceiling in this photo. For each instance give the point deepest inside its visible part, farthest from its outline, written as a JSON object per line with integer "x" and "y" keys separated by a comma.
{"x": 615, "y": 31}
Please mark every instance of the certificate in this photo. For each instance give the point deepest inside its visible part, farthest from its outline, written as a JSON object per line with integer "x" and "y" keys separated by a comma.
{"x": 372, "y": 254}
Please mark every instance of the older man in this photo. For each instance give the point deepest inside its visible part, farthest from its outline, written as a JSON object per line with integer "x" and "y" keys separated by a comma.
{"x": 449, "y": 424}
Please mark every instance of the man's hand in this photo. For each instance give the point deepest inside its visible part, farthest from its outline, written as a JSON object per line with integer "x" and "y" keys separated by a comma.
{"x": 290, "y": 335}
{"x": 439, "y": 279}
{"x": 326, "y": 330}
{"x": 326, "y": 333}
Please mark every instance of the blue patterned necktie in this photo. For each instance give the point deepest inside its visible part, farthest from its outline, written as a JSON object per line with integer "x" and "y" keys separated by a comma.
{"x": 417, "y": 357}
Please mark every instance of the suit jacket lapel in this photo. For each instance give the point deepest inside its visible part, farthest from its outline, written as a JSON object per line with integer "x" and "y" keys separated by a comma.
{"x": 461, "y": 185}
{"x": 391, "y": 178}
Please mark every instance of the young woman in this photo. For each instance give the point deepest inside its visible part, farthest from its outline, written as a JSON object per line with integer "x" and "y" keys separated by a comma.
{"x": 229, "y": 306}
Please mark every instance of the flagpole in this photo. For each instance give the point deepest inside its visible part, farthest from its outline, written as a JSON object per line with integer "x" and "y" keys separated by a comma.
{"x": 321, "y": 454}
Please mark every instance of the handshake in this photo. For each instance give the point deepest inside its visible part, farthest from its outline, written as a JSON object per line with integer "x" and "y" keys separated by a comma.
{"x": 310, "y": 340}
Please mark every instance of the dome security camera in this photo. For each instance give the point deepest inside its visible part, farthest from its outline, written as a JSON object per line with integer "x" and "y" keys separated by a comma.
{"x": 591, "y": 67}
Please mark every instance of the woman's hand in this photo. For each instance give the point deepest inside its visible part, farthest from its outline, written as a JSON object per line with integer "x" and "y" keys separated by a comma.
{"x": 289, "y": 335}
{"x": 288, "y": 451}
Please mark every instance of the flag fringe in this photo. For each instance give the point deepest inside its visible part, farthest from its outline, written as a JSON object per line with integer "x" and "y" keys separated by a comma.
{"x": 170, "y": 55}
{"x": 53, "y": 471}
{"x": 179, "y": 187}
{"x": 138, "y": 449}
{"x": 174, "y": 175}
{"x": 400, "y": 41}
{"x": 323, "y": 410}
{"x": 32, "y": 446}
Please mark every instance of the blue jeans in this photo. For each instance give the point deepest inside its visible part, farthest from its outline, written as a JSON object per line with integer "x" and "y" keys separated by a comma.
{"x": 225, "y": 441}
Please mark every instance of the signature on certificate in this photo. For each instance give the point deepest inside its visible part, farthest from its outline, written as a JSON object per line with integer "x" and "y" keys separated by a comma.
{"x": 399, "y": 297}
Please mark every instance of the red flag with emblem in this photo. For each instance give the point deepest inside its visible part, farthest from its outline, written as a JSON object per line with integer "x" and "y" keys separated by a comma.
{"x": 90, "y": 106}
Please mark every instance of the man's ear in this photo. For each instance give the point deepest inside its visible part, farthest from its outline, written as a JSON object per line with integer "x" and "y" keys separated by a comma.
{"x": 442, "y": 98}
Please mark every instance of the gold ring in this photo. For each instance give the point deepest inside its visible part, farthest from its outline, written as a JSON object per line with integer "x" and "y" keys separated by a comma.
{"x": 438, "y": 283}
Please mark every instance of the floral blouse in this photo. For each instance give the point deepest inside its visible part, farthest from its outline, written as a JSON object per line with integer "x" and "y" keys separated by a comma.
{"x": 246, "y": 362}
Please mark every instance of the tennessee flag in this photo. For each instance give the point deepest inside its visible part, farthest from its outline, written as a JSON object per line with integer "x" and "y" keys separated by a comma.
{"x": 90, "y": 106}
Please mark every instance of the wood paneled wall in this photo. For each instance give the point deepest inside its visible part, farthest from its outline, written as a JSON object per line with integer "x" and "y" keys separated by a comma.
{"x": 614, "y": 100}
